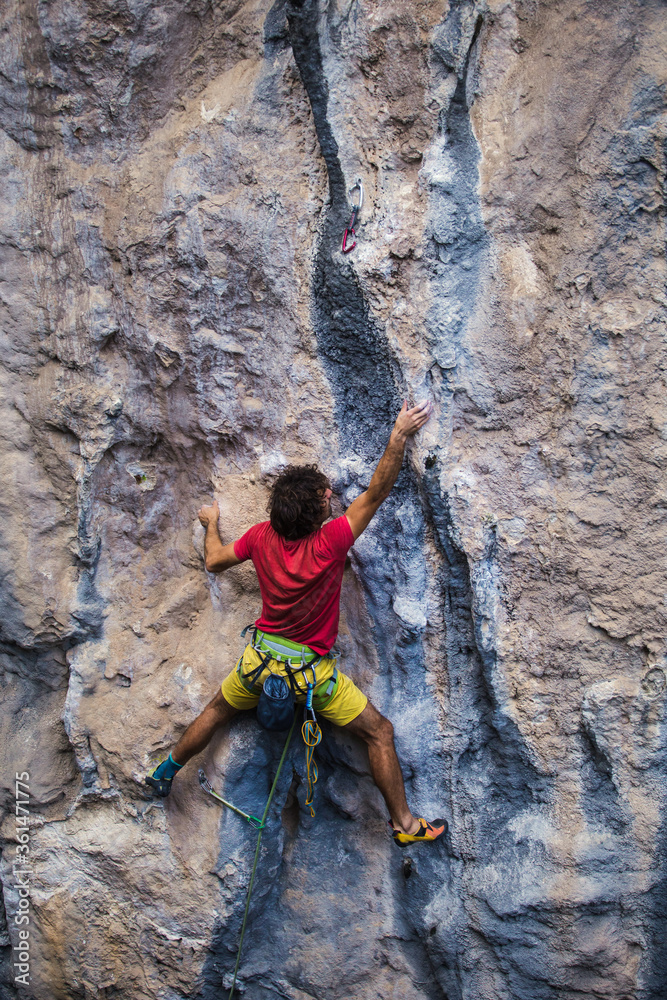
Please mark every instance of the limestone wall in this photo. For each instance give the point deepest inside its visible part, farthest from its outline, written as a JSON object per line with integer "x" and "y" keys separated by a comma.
{"x": 177, "y": 322}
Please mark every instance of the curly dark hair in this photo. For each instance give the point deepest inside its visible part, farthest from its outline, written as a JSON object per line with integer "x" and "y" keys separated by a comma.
{"x": 295, "y": 501}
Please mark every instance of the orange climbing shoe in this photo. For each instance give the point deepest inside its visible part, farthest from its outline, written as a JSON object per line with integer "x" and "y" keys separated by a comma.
{"x": 426, "y": 832}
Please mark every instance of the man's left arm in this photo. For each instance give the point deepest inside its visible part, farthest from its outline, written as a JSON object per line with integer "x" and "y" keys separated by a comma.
{"x": 217, "y": 556}
{"x": 361, "y": 511}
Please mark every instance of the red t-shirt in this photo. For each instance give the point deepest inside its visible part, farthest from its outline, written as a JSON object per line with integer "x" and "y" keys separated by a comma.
{"x": 299, "y": 581}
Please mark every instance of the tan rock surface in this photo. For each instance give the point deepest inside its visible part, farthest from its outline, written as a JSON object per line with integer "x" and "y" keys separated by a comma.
{"x": 177, "y": 321}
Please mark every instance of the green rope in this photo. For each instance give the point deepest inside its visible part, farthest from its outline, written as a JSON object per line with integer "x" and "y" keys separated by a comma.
{"x": 259, "y": 841}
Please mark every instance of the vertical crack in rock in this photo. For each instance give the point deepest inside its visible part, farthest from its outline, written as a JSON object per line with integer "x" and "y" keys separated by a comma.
{"x": 364, "y": 376}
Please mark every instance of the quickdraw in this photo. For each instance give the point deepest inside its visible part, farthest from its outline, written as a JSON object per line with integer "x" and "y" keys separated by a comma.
{"x": 356, "y": 209}
{"x": 255, "y": 822}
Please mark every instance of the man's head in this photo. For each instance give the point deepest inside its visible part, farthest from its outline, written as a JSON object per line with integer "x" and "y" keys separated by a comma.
{"x": 299, "y": 501}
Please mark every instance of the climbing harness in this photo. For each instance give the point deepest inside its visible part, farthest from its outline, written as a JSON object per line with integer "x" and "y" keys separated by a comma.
{"x": 295, "y": 658}
{"x": 356, "y": 209}
{"x": 275, "y": 697}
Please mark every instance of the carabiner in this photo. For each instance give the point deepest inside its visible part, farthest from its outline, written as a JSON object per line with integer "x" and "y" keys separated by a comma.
{"x": 359, "y": 185}
{"x": 345, "y": 248}
{"x": 356, "y": 209}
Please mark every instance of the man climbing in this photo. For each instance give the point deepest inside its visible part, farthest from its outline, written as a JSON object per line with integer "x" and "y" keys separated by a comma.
{"x": 299, "y": 560}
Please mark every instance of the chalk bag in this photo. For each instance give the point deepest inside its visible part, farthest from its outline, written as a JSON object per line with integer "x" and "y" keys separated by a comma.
{"x": 275, "y": 709}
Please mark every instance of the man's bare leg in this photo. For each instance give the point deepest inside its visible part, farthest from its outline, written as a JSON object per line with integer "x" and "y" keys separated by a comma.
{"x": 217, "y": 713}
{"x": 378, "y": 735}
{"x": 198, "y": 735}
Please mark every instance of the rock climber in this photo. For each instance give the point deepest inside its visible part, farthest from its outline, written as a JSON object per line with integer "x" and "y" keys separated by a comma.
{"x": 299, "y": 556}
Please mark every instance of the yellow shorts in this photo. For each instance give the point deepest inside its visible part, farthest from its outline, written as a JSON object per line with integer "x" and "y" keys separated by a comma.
{"x": 344, "y": 704}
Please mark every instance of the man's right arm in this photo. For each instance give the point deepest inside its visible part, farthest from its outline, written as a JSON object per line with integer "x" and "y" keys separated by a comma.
{"x": 361, "y": 510}
{"x": 217, "y": 556}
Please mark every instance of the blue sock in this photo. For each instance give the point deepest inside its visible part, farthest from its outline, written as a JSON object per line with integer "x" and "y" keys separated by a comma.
{"x": 167, "y": 769}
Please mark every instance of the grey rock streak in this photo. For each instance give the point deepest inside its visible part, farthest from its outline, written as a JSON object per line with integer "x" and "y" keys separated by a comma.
{"x": 177, "y": 321}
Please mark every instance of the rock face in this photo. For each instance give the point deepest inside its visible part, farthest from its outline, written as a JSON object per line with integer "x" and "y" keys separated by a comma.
{"x": 178, "y": 321}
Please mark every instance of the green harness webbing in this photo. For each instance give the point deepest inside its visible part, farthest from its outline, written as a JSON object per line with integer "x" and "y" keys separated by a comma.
{"x": 259, "y": 841}
{"x": 295, "y": 657}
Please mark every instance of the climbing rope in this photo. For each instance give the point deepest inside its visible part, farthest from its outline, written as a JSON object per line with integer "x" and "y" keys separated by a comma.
{"x": 312, "y": 734}
{"x": 259, "y": 841}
